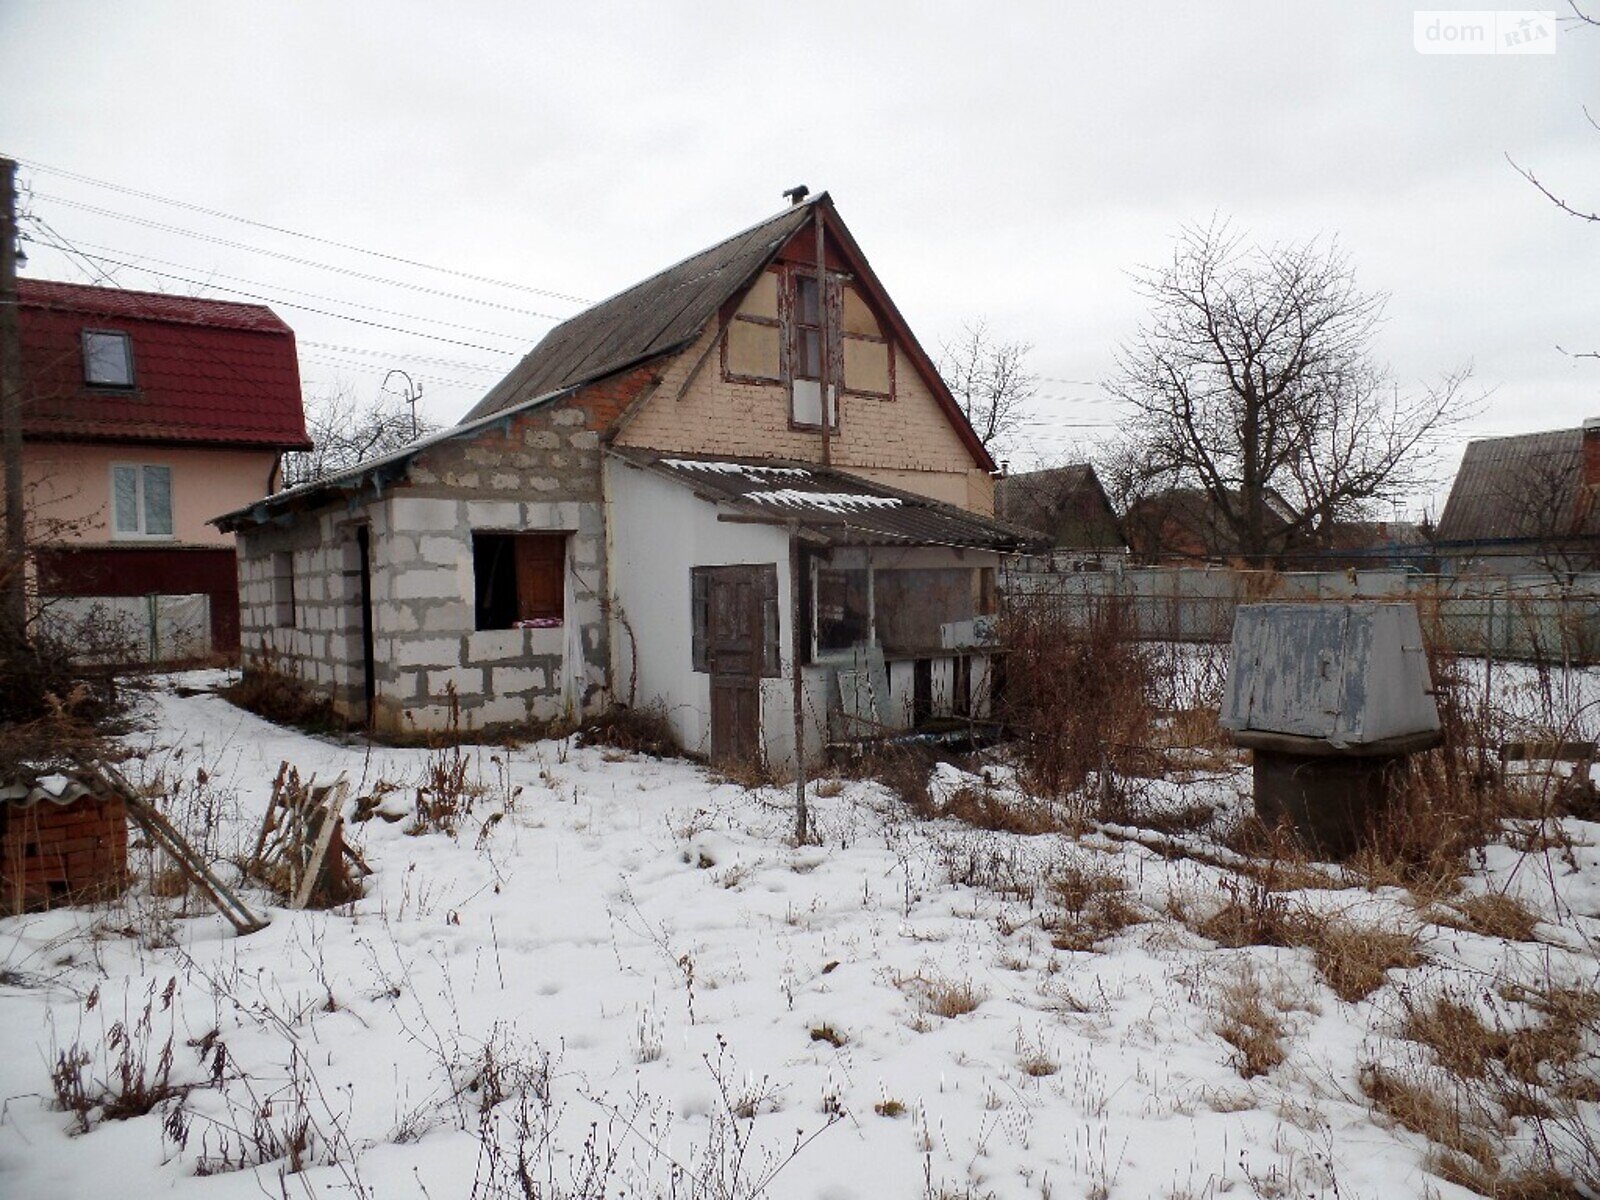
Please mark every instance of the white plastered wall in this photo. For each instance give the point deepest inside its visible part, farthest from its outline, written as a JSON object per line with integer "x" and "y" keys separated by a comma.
{"x": 659, "y": 531}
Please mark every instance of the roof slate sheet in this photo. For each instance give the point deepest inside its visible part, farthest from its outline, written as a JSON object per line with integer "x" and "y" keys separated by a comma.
{"x": 205, "y": 371}
{"x": 663, "y": 313}
{"x": 832, "y": 506}
{"x": 1516, "y": 488}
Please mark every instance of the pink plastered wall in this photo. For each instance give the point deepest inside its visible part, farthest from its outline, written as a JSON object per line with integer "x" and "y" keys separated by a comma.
{"x": 68, "y": 487}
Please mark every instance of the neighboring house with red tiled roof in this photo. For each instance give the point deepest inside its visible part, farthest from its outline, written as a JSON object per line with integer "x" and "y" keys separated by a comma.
{"x": 144, "y": 415}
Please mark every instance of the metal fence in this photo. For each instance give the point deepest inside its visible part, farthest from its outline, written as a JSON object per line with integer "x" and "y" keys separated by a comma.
{"x": 148, "y": 629}
{"x": 1529, "y": 618}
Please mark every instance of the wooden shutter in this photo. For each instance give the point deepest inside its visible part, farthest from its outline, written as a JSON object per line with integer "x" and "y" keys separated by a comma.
{"x": 541, "y": 575}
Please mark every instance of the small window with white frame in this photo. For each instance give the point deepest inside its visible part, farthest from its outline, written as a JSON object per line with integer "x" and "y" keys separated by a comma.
{"x": 107, "y": 358}
{"x": 141, "y": 501}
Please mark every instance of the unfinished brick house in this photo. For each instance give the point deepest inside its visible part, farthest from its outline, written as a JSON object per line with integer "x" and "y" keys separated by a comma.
{"x": 652, "y": 508}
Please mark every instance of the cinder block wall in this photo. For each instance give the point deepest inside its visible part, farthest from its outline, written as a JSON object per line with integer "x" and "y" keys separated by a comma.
{"x": 535, "y": 471}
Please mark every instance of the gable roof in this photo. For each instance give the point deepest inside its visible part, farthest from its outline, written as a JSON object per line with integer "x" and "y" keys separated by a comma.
{"x": 1520, "y": 488}
{"x": 832, "y": 507}
{"x": 663, "y": 313}
{"x": 1065, "y": 503}
{"x": 205, "y": 371}
{"x": 670, "y": 310}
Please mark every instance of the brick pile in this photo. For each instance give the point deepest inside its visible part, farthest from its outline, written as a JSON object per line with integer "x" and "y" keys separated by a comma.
{"x": 53, "y": 854}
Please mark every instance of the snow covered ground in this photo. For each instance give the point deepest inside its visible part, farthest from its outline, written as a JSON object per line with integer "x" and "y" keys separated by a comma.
{"x": 624, "y": 964}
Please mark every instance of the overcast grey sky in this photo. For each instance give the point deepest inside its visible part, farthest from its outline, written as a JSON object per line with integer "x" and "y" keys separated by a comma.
{"x": 1007, "y": 161}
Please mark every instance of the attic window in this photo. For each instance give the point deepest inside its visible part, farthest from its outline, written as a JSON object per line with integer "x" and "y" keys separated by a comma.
{"x": 752, "y": 349}
{"x": 107, "y": 358}
{"x": 519, "y": 579}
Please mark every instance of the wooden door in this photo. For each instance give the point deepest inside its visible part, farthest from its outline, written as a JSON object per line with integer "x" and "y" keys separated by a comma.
{"x": 734, "y": 653}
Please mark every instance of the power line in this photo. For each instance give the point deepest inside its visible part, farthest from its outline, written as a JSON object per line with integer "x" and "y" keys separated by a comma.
{"x": 422, "y": 358}
{"x": 166, "y": 262}
{"x": 292, "y": 258}
{"x": 310, "y": 237}
{"x": 321, "y": 312}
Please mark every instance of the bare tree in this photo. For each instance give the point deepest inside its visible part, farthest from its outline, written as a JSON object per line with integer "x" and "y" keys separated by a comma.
{"x": 990, "y": 380}
{"x": 347, "y": 431}
{"x": 1253, "y": 383}
{"x": 1580, "y": 211}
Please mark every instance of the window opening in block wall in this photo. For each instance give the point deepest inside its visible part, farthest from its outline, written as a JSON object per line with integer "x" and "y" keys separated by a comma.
{"x": 519, "y": 580}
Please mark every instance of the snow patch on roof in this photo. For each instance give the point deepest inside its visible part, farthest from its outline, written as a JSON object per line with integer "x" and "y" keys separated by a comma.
{"x": 728, "y": 468}
{"x": 835, "y": 502}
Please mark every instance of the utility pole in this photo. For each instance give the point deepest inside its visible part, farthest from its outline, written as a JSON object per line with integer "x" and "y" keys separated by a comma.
{"x": 413, "y": 394}
{"x": 13, "y": 571}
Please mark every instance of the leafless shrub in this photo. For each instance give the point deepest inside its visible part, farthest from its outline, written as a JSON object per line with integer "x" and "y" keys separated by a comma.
{"x": 1078, "y": 696}
{"x": 128, "y": 1075}
{"x": 270, "y": 686}
{"x": 643, "y": 730}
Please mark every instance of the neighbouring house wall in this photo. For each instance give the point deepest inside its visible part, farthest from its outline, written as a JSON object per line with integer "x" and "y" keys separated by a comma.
{"x": 71, "y": 482}
{"x": 533, "y": 471}
{"x": 907, "y": 442}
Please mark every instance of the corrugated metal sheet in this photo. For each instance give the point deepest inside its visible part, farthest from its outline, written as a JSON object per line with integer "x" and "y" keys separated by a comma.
{"x": 660, "y": 314}
{"x": 1517, "y": 488}
{"x": 832, "y": 506}
{"x": 205, "y": 371}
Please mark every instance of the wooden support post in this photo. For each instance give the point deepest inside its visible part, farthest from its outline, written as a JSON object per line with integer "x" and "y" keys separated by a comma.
{"x": 13, "y": 571}
{"x": 822, "y": 337}
{"x": 802, "y": 820}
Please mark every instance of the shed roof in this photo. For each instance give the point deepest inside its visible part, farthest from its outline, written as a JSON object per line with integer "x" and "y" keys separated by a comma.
{"x": 833, "y": 507}
{"x": 1520, "y": 488}
{"x": 205, "y": 371}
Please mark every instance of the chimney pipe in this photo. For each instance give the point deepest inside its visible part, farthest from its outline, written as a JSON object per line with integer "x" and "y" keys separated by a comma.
{"x": 797, "y": 194}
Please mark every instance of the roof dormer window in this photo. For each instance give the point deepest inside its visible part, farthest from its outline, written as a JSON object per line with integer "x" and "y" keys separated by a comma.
{"x": 107, "y": 358}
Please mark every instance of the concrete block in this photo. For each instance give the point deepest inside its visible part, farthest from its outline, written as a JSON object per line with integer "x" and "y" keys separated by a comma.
{"x": 567, "y": 418}
{"x": 495, "y": 514}
{"x": 543, "y": 439}
{"x": 422, "y": 515}
{"x": 426, "y": 652}
{"x": 468, "y": 683}
{"x": 440, "y": 550}
{"x": 498, "y": 645}
{"x": 448, "y": 616}
{"x": 428, "y": 583}
{"x": 588, "y": 439}
{"x": 512, "y": 681}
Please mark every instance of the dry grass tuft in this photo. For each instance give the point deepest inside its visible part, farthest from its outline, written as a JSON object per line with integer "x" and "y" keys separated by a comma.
{"x": 1254, "y": 1030}
{"x": 1495, "y": 914}
{"x": 1356, "y": 959}
{"x": 1093, "y": 906}
{"x": 941, "y": 997}
{"x": 1422, "y": 1106}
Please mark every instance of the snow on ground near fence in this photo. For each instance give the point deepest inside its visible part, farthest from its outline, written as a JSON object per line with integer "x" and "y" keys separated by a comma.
{"x": 636, "y": 950}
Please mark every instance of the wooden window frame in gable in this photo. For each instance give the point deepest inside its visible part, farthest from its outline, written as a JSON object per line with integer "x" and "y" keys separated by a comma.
{"x": 837, "y": 316}
{"x": 787, "y": 299}
{"x": 731, "y": 314}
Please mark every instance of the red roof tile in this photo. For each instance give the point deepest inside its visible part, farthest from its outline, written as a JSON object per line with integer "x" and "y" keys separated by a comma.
{"x": 205, "y": 371}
